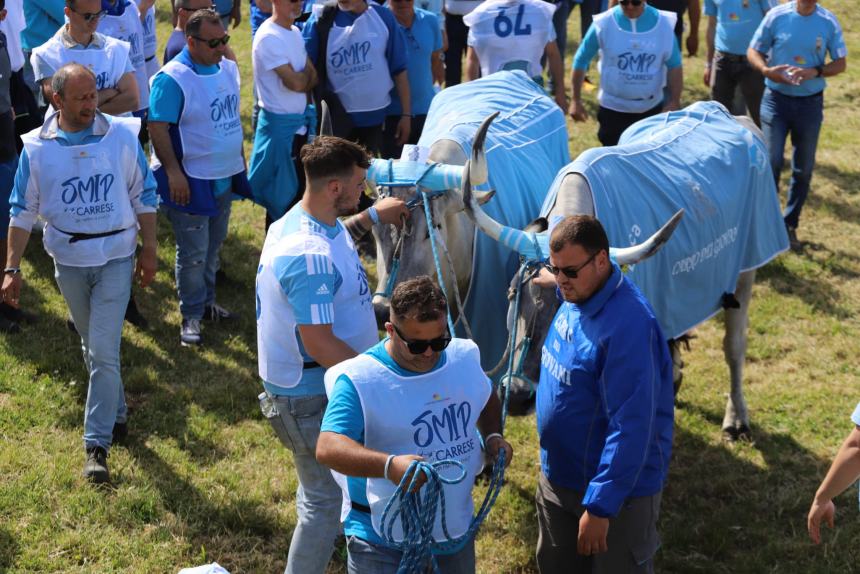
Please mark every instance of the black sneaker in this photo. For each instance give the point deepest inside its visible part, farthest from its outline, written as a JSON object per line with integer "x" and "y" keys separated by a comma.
{"x": 7, "y": 326}
{"x": 16, "y": 314}
{"x": 133, "y": 316}
{"x": 793, "y": 242}
{"x": 70, "y": 325}
{"x": 120, "y": 432}
{"x": 96, "y": 469}
{"x": 216, "y": 313}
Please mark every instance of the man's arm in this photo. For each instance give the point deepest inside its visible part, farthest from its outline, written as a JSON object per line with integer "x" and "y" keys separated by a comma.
{"x": 556, "y": 72}
{"x": 236, "y": 13}
{"x": 710, "y": 37}
{"x": 675, "y": 81}
{"x": 160, "y": 137}
{"x": 404, "y": 126}
{"x": 489, "y": 423}
{"x": 694, "y": 10}
{"x": 323, "y": 346}
{"x": 303, "y": 81}
{"x": 390, "y": 210}
{"x": 127, "y": 98}
{"x": 581, "y": 60}
{"x": 143, "y": 7}
{"x": 16, "y": 243}
{"x": 437, "y": 65}
{"x": 473, "y": 66}
{"x": 577, "y": 110}
{"x": 774, "y": 73}
{"x": 844, "y": 471}
{"x": 147, "y": 259}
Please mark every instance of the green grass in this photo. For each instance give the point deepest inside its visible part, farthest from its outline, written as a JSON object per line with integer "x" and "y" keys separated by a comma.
{"x": 204, "y": 478}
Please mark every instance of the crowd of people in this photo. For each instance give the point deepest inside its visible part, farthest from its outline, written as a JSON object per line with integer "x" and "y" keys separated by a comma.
{"x": 82, "y": 94}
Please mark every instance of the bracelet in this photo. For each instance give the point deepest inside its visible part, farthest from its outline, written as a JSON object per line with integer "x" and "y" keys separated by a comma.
{"x": 492, "y": 435}
{"x": 373, "y": 214}
{"x": 405, "y": 115}
{"x": 12, "y": 270}
{"x": 388, "y": 464}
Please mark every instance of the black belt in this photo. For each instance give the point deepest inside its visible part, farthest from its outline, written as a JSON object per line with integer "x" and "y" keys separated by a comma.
{"x": 311, "y": 365}
{"x": 75, "y": 237}
{"x": 360, "y": 507}
{"x": 152, "y": 57}
{"x": 732, "y": 57}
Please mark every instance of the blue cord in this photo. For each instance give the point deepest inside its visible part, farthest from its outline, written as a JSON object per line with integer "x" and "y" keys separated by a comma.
{"x": 432, "y": 233}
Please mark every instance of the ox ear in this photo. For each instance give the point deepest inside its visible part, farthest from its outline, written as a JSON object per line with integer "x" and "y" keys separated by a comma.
{"x": 539, "y": 225}
{"x": 325, "y": 120}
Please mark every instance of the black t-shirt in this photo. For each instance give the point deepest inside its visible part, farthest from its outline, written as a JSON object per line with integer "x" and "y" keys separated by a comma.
{"x": 676, "y": 6}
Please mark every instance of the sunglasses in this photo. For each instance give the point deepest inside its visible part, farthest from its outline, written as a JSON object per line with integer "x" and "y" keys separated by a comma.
{"x": 569, "y": 272}
{"x": 89, "y": 16}
{"x": 633, "y": 2}
{"x": 419, "y": 346}
{"x": 215, "y": 42}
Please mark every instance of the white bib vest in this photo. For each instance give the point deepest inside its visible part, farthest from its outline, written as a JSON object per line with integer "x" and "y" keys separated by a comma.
{"x": 357, "y": 67}
{"x": 210, "y": 128}
{"x": 150, "y": 41}
{"x": 633, "y": 64}
{"x": 108, "y": 63}
{"x": 129, "y": 29}
{"x": 84, "y": 189}
{"x": 432, "y": 415}
{"x": 280, "y": 360}
{"x": 511, "y": 34}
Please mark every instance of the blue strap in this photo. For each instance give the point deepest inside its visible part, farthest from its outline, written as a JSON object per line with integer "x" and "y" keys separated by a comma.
{"x": 432, "y": 233}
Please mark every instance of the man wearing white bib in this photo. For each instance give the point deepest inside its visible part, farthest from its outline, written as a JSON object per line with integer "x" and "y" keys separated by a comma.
{"x": 197, "y": 135}
{"x": 314, "y": 310}
{"x": 108, "y": 58}
{"x": 150, "y": 40}
{"x": 639, "y": 55}
{"x": 514, "y": 35}
{"x": 85, "y": 174}
{"x": 416, "y": 395}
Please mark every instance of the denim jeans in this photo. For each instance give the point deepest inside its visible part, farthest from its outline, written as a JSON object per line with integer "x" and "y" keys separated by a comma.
{"x": 367, "y": 558}
{"x": 801, "y": 117}
{"x": 297, "y": 421}
{"x": 198, "y": 243}
{"x": 97, "y": 298}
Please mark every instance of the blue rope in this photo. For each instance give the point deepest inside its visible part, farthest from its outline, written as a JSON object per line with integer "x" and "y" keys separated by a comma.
{"x": 431, "y": 231}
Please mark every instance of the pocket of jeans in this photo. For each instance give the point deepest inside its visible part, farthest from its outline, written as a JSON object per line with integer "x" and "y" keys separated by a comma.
{"x": 307, "y": 407}
{"x": 270, "y": 410}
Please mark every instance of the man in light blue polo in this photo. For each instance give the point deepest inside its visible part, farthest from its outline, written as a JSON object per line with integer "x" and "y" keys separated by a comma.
{"x": 42, "y": 18}
{"x": 731, "y": 25}
{"x": 85, "y": 174}
{"x": 638, "y": 56}
{"x": 789, "y": 49}
{"x": 197, "y": 134}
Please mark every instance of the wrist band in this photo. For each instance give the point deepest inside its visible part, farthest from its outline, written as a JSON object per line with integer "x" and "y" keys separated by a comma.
{"x": 12, "y": 271}
{"x": 373, "y": 214}
{"x": 387, "y": 464}
{"x": 492, "y": 435}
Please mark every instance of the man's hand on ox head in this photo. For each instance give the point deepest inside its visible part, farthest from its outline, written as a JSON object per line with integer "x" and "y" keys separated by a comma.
{"x": 392, "y": 211}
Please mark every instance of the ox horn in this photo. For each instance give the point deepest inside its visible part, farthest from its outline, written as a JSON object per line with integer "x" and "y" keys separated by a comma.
{"x": 325, "y": 120}
{"x": 636, "y": 253}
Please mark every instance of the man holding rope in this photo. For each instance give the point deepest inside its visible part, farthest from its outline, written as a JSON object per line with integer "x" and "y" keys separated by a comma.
{"x": 418, "y": 395}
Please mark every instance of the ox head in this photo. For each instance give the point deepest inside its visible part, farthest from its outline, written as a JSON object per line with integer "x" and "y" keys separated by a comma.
{"x": 434, "y": 179}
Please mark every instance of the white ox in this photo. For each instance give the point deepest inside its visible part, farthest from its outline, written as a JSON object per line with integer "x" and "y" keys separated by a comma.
{"x": 575, "y": 196}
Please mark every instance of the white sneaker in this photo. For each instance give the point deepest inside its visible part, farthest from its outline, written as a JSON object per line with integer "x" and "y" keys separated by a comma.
{"x": 190, "y": 332}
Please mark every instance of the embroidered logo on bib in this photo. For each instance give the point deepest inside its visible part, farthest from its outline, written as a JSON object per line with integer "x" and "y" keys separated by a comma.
{"x": 446, "y": 431}
{"x": 351, "y": 59}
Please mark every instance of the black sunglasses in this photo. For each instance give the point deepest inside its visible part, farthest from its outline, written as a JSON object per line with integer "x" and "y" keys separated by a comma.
{"x": 570, "y": 272}
{"x": 89, "y": 16}
{"x": 418, "y": 346}
{"x": 213, "y": 43}
{"x": 634, "y": 2}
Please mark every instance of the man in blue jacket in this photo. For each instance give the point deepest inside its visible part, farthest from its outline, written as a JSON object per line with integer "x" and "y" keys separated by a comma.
{"x": 604, "y": 412}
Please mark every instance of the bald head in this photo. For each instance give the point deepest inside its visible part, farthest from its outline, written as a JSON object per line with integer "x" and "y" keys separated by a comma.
{"x": 75, "y": 96}
{"x": 71, "y": 72}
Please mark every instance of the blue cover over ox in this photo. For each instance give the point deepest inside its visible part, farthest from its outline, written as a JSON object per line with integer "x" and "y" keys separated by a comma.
{"x": 703, "y": 160}
{"x": 526, "y": 146}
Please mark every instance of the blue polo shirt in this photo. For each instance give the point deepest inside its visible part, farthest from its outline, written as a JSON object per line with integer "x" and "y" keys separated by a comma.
{"x": 737, "y": 21}
{"x": 166, "y": 102}
{"x": 395, "y": 51}
{"x": 422, "y": 39}
{"x": 801, "y": 41}
{"x": 591, "y": 45}
{"x": 43, "y": 18}
{"x": 257, "y": 17}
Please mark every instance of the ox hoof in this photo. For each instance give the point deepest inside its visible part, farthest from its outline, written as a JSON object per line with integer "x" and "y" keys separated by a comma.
{"x": 740, "y": 433}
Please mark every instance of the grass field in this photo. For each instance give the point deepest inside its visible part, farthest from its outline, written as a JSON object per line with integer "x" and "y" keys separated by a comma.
{"x": 204, "y": 478}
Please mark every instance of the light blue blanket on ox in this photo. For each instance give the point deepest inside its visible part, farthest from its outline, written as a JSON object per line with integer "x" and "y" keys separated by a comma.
{"x": 526, "y": 146}
{"x": 700, "y": 159}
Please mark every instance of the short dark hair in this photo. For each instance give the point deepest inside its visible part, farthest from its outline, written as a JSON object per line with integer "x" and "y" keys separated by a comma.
{"x": 333, "y": 157}
{"x": 192, "y": 27}
{"x": 583, "y": 230}
{"x": 419, "y": 298}
{"x": 2, "y": 4}
{"x": 61, "y": 76}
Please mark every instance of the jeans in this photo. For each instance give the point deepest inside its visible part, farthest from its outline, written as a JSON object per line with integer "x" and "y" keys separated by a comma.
{"x": 801, "y": 117}
{"x": 367, "y": 558}
{"x": 297, "y": 420}
{"x": 97, "y": 298}
{"x": 198, "y": 243}
{"x": 731, "y": 71}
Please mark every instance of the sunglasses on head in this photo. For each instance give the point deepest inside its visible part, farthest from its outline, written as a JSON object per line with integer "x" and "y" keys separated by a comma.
{"x": 419, "y": 346}
{"x": 633, "y": 2}
{"x": 215, "y": 42}
{"x": 89, "y": 16}
{"x": 569, "y": 272}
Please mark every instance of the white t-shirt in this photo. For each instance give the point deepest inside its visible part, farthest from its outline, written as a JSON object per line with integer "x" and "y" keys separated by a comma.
{"x": 273, "y": 47}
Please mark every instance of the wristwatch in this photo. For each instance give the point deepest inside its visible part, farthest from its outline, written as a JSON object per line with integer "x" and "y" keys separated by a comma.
{"x": 820, "y": 70}
{"x": 12, "y": 271}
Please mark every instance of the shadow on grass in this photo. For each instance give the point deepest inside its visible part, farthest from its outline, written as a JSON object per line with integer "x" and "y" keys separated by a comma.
{"x": 8, "y": 549}
{"x": 818, "y": 294}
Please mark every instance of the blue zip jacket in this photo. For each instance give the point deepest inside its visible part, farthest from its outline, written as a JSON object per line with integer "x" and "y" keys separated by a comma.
{"x": 605, "y": 403}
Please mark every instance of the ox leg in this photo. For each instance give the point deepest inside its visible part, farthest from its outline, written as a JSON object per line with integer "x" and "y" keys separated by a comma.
{"x": 736, "y": 420}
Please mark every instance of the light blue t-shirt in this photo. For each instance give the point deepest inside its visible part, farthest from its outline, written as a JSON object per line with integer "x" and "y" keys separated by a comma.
{"x": 422, "y": 39}
{"x": 43, "y": 18}
{"x": 344, "y": 416}
{"x": 311, "y": 296}
{"x": 166, "y": 102}
{"x": 591, "y": 45}
{"x": 801, "y": 41}
{"x": 737, "y": 21}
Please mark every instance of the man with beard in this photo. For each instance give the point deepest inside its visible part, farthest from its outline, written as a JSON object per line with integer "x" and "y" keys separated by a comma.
{"x": 313, "y": 311}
